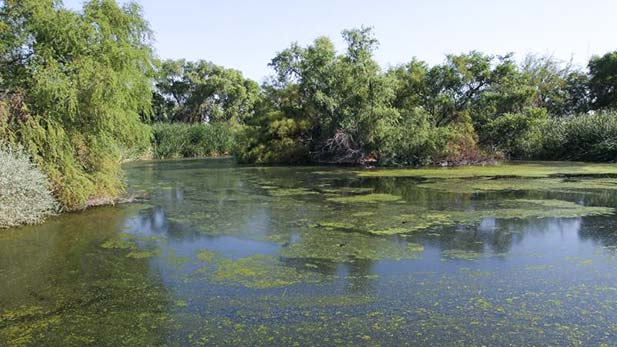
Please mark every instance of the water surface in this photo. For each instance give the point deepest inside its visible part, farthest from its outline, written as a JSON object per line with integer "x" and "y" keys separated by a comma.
{"x": 224, "y": 255}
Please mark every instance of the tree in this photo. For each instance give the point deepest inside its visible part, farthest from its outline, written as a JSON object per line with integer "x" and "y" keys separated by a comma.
{"x": 75, "y": 85}
{"x": 202, "y": 92}
{"x": 603, "y": 81}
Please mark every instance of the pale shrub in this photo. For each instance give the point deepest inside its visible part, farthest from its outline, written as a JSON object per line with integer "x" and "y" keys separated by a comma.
{"x": 25, "y": 196}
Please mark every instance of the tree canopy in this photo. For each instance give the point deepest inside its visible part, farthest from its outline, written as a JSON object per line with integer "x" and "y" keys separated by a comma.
{"x": 73, "y": 86}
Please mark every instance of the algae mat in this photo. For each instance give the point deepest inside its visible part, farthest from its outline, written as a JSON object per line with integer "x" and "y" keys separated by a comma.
{"x": 520, "y": 254}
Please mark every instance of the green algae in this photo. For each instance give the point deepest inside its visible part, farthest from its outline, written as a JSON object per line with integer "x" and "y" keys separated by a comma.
{"x": 143, "y": 254}
{"x": 348, "y": 190}
{"x": 284, "y": 192}
{"x": 366, "y": 199}
{"x": 547, "y": 208}
{"x": 119, "y": 244}
{"x": 206, "y": 255}
{"x": 536, "y": 169}
{"x": 335, "y": 225}
{"x": 338, "y": 246}
{"x": 363, "y": 214}
{"x": 480, "y": 185}
{"x": 460, "y": 254}
{"x": 97, "y": 296}
{"x": 390, "y": 231}
{"x": 260, "y": 272}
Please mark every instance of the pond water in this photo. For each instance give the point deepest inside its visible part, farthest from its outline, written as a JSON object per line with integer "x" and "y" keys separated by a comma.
{"x": 223, "y": 255}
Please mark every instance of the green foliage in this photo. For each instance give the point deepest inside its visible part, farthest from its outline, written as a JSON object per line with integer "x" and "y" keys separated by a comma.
{"x": 582, "y": 138}
{"x": 272, "y": 138}
{"x": 201, "y": 91}
{"x": 603, "y": 82}
{"x": 180, "y": 140}
{"x": 517, "y": 134}
{"x": 25, "y": 196}
{"x": 327, "y": 107}
{"x": 75, "y": 85}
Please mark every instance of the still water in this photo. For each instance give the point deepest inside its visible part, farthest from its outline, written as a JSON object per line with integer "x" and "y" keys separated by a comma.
{"x": 217, "y": 254}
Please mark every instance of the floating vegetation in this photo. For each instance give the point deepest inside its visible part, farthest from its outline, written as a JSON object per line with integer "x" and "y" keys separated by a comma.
{"x": 460, "y": 254}
{"x": 119, "y": 244}
{"x": 531, "y": 208}
{"x": 338, "y": 246}
{"x": 261, "y": 272}
{"x": 348, "y": 190}
{"x": 363, "y": 214}
{"x": 206, "y": 255}
{"x": 390, "y": 231}
{"x": 335, "y": 225}
{"x": 282, "y": 192}
{"x": 143, "y": 254}
{"x": 365, "y": 199}
{"x": 479, "y": 185}
{"x": 244, "y": 268}
{"x": 536, "y": 169}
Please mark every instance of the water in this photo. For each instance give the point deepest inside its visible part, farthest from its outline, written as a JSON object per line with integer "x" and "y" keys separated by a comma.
{"x": 226, "y": 255}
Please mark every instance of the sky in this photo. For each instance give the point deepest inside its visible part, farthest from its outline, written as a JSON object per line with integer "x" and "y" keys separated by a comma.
{"x": 246, "y": 35}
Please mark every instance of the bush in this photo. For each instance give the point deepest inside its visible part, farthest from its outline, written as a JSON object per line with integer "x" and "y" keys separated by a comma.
{"x": 582, "y": 138}
{"x": 274, "y": 138}
{"x": 25, "y": 196}
{"x": 517, "y": 135}
{"x": 181, "y": 140}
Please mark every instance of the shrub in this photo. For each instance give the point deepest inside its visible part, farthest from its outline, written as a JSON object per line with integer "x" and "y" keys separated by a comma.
{"x": 181, "y": 140}
{"x": 25, "y": 196}
{"x": 274, "y": 138}
{"x": 582, "y": 137}
{"x": 517, "y": 135}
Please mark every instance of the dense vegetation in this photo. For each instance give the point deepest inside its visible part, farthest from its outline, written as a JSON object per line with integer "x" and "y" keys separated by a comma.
{"x": 79, "y": 89}
{"x": 324, "y": 106}
{"x": 181, "y": 140}
{"x": 72, "y": 88}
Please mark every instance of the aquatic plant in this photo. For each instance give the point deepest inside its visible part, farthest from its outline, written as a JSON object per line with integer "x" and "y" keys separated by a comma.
{"x": 529, "y": 169}
{"x": 341, "y": 246}
{"x": 260, "y": 272}
{"x": 365, "y": 198}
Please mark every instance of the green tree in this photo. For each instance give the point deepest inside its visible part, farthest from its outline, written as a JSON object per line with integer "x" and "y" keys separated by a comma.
{"x": 603, "y": 81}
{"x": 203, "y": 92}
{"x": 75, "y": 85}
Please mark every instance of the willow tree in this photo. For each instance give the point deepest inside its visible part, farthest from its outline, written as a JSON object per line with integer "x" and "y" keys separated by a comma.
{"x": 73, "y": 86}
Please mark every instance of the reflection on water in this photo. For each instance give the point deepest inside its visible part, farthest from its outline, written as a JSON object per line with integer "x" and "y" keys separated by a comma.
{"x": 219, "y": 254}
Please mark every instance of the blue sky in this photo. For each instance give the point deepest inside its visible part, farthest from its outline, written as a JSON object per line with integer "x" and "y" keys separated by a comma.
{"x": 245, "y": 35}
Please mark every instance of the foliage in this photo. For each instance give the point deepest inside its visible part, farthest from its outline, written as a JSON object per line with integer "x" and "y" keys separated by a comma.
{"x": 74, "y": 85}
{"x": 582, "y": 138}
{"x": 517, "y": 134}
{"x": 180, "y": 140}
{"x": 25, "y": 196}
{"x": 202, "y": 92}
{"x": 321, "y": 106}
{"x": 603, "y": 82}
